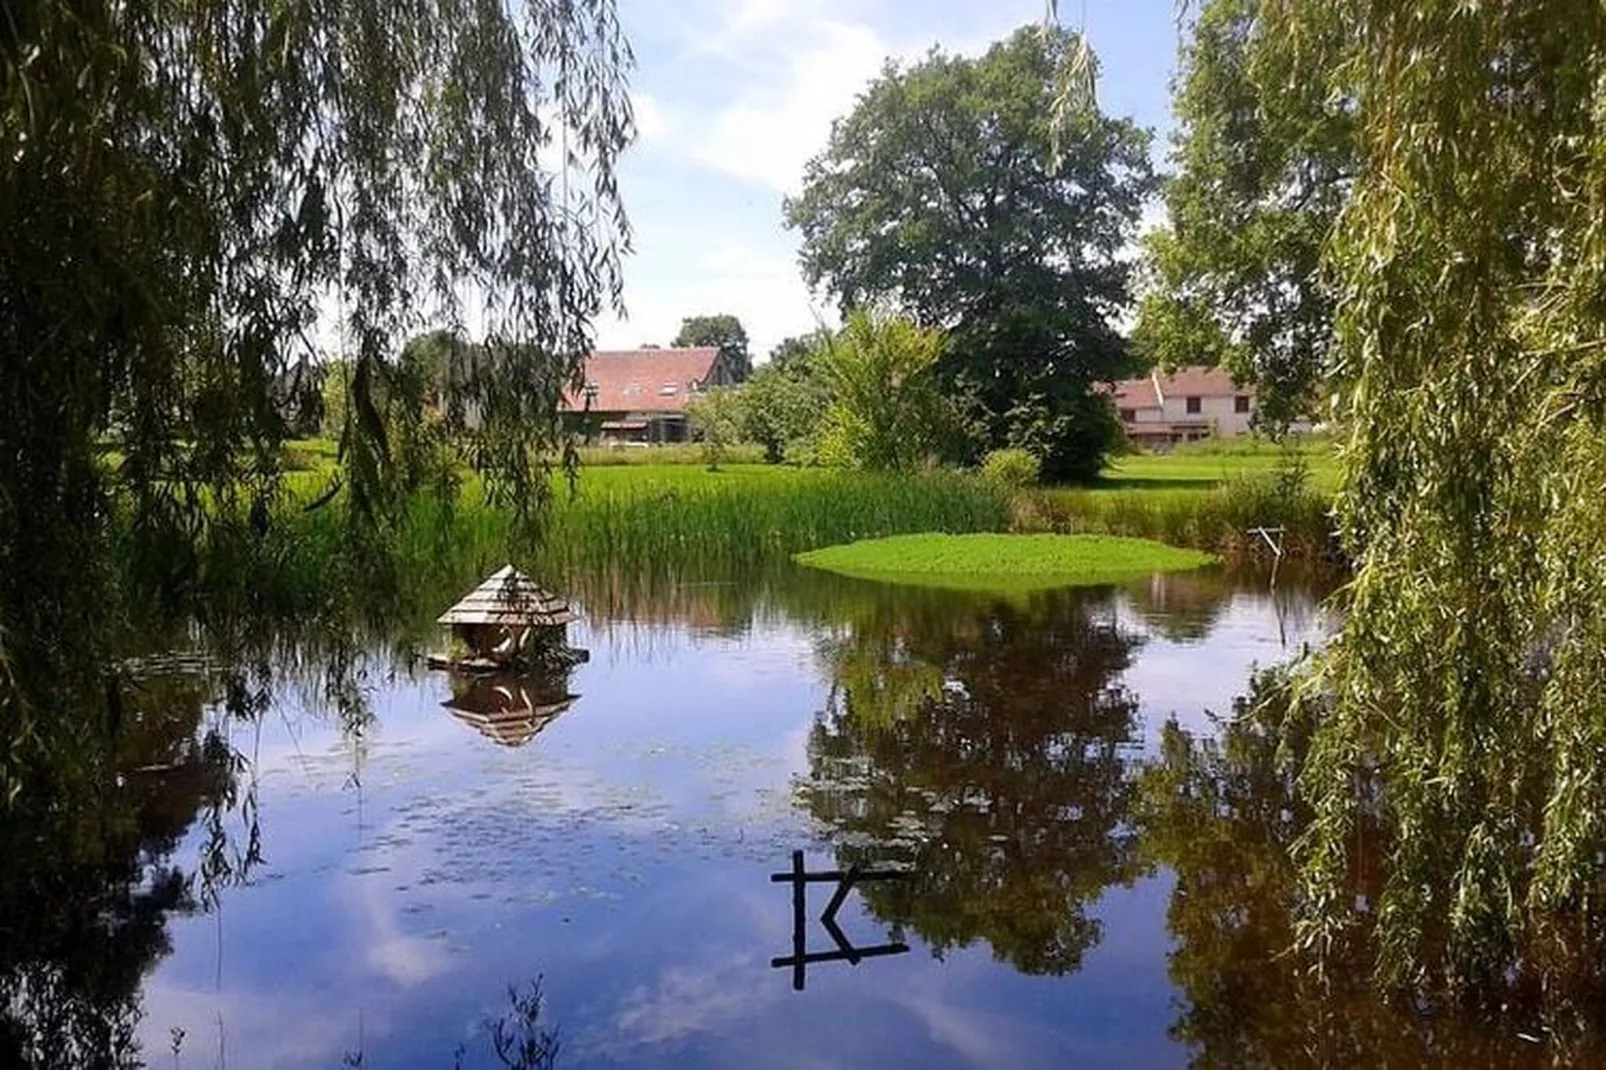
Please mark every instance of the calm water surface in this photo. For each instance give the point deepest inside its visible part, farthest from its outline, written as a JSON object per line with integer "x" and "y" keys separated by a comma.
{"x": 419, "y": 875}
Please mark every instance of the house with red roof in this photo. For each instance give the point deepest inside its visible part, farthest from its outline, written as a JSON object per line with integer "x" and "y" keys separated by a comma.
{"x": 1191, "y": 403}
{"x": 640, "y": 395}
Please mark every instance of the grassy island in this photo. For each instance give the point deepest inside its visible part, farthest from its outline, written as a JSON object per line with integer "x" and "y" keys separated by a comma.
{"x": 1002, "y": 562}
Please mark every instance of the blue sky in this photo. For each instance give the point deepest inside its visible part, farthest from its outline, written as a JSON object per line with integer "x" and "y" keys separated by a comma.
{"x": 733, "y": 96}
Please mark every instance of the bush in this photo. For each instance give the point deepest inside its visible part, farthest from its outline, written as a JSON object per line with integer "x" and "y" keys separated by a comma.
{"x": 1012, "y": 468}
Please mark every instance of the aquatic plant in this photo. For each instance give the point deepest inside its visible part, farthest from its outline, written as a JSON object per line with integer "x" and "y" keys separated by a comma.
{"x": 1002, "y": 562}
{"x": 1217, "y": 519}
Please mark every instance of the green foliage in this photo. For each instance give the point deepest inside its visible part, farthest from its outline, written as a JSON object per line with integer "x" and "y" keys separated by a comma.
{"x": 1002, "y": 562}
{"x": 782, "y": 407}
{"x": 336, "y": 389}
{"x": 1264, "y": 164}
{"x": 1465, "y": 701}
{"x": 688, "y": 519}
{"x": 184, "y": 186}
{"x": 716, "y": 417}
{"x": 726, "y": 333}
{"x": 952, "y": 192}
{"x": 1011, "y": 468}
{"x": 791, "y": 355}
{"x": 1221, "y": 809}
{"x": 886, "y": 411}
{"x": 1209, "y": 517}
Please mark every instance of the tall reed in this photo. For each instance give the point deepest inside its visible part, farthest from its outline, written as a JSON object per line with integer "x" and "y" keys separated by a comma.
{"x": 1219, "y": 519}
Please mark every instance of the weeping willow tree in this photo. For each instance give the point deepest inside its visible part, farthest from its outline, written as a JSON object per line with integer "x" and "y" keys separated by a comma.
{"x": 188, "y": 190}
{"x": 1464, "y": 705}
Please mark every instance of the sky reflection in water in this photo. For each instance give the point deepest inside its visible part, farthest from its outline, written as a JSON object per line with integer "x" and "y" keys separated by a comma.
{"x": 622, "y": 854}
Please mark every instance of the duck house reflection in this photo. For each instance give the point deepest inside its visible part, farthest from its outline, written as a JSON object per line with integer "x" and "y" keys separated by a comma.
{"x": 506, "y": 708}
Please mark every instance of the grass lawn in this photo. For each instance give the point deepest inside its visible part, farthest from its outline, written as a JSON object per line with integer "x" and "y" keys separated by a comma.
{"x": 1002, "y": 562}
{"x": 1201, "y": 465}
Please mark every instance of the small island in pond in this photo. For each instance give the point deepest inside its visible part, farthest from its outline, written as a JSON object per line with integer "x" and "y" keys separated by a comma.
{"x": 1002, "y": 562}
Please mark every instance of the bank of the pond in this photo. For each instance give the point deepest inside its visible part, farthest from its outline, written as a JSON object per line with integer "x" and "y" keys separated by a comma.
{"x": 675, "y": 520}
{"x": 1002, "y": 562}
{"x": 1220, "y": 519}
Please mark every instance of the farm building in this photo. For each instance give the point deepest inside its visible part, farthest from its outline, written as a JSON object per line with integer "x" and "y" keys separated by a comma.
{"x": 1192, "y": 403}
{"x": 640, "y": 395}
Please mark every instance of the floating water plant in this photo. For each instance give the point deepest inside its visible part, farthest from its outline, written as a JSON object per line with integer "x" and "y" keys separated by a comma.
{"x": 1002, "y": 562}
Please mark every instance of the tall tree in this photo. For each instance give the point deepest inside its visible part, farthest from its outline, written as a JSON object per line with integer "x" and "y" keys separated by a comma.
{"x": 724, "y": 332}
{"x": 791, "y": 354}
{"x": 952, "y": 192}
{"x": 1264, "y": 164}
{"x": 1465, "y": 700}
{"x": 185, "y": 186}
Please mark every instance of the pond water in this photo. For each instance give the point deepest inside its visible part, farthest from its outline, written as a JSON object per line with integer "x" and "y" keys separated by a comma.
{"x": 392, "y": 888}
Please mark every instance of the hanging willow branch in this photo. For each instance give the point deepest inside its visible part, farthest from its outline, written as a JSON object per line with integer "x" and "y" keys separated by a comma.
{"x": 1465, "y": 702}
{"x": 189, "y": 188}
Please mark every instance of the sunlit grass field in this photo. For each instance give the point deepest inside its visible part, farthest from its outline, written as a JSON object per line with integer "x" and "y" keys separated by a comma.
{"x": 1201, "y": 465}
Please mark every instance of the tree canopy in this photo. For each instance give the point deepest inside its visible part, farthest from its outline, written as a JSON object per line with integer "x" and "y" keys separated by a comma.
{"x": 1464, "y": 704}
{"x": 723, "y": 331}
{"x": 189, "y": 188}
{"x": 1264, "y": 163}
{"x": 951, "y": 192}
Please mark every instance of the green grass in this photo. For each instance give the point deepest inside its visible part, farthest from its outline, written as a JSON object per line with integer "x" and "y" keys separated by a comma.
{"x": 1206, "y": 495}
{"x": 690, "y": 453}
{"x": 1201, "y": 465}
{"x": 676, "y": 522}
{"x": 1214, "y": 517}
{"x": 633, "y": 517}
{"x": 1002, "y": 562}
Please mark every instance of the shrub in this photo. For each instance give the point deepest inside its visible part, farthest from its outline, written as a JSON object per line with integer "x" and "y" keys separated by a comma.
{"x": 1012, "y": 468}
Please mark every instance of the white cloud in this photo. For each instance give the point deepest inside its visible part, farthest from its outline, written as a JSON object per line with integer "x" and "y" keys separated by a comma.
{"x": 712, "y": 273}
{"x": 776, "y": 125}
{"x": 653, "y": 123}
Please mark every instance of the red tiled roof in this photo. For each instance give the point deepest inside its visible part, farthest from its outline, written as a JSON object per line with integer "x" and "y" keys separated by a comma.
{"x": 1135, "y": 394}
{"x": 644, "y": 380}
{"x": 1194, "y": 382}
{"x": 1199, "y": 382}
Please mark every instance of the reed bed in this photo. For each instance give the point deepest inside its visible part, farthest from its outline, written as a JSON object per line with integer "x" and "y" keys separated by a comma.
{"x": 671, "y": 520}
{"x": 1216, "y": 519}
{"x": 747, "y": 516}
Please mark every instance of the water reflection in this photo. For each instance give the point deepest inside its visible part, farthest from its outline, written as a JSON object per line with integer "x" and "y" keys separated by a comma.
{"x": 1222, "y": 813}
{"x": 987, "y": 745}
{"x": 509, "y": 708}
{"x": 89, "y": 880}
{"x": 1120, "y": 889}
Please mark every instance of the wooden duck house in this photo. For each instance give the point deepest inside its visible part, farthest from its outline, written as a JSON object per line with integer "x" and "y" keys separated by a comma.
{"x": 508, "y": 622}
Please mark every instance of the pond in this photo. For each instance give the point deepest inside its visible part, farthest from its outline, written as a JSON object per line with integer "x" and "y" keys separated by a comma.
{"x": 594, "y": 872}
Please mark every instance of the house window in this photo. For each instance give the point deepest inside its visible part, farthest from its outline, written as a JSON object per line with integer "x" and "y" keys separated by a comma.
{"x": 1128, "y": 415}
{"x": 668, "y": 390}
{"x": 1193, "y": 405}
{"x": 1240, "y": 403}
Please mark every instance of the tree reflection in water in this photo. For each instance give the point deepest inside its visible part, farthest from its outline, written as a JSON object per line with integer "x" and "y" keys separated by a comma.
{"x": 1223, "y": 814}
{"x": 986, "y": 745}
{"x": 89, "y": 881}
